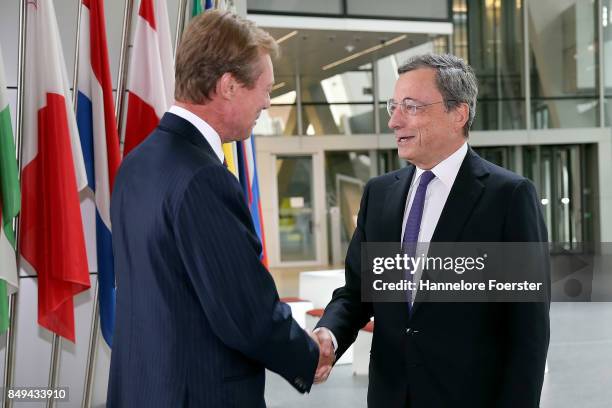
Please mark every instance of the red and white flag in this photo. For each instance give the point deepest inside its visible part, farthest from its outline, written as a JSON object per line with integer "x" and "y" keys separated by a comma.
{"x": 151, "y": 74}
{"x": 51, "y": 237}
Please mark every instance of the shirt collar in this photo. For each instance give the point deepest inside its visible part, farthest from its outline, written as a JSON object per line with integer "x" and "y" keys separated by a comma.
{"x": 448, "y": 168}
{"x": 210, "y": 134}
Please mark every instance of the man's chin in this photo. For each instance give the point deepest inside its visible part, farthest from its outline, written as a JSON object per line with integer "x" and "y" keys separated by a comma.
{"x": 404, "y": 153}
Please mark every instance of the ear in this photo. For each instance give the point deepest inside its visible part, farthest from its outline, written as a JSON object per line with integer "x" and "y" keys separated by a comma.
{"x": 461, "y": 115}
{"x": 227, "y": 86}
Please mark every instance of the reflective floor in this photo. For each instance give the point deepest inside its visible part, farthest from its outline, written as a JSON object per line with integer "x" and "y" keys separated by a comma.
{"x": 579, "y": 363}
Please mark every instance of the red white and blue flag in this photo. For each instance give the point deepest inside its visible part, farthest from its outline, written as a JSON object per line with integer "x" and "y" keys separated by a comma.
{"x": 151, "y": 73}
{"x": 100, "y": 144}
{"x": 247, "y": 171}
{"x": 51, "y": 241}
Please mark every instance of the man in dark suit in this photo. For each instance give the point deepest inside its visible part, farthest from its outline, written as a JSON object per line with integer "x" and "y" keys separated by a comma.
{"x": 442, "y": 354}
{"x": 198, "y": 316}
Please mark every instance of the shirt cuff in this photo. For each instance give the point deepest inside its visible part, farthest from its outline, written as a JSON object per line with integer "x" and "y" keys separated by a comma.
{"x": 331, "y": 334}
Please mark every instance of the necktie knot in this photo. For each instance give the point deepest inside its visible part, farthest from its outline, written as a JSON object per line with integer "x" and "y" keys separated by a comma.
{"x": 426, "y": 177}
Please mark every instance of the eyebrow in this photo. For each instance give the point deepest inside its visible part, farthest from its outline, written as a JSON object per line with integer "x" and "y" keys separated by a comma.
{"x": 408, "y": 98}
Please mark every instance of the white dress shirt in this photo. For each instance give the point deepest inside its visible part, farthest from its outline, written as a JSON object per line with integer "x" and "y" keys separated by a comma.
{"x": 210, "y": 134}
{"x": 437, "y": 193}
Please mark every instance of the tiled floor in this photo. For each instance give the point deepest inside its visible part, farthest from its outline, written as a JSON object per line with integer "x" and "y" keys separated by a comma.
{"x": 579, "y": 361}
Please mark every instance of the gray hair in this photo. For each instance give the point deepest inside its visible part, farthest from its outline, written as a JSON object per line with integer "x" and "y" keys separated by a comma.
{"x": 455, "y": 80}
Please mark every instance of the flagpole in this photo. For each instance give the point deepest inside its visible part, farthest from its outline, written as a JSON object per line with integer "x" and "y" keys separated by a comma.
{"x": 180, "y": 24}
{"x": 75, "y": 80}
{"x": 94, "y": 335}
{"x": 56, "y": 351}
{"x": 9, "y": 355}
{"x": 125, "y": 38}
{"x": 54, "y": 367}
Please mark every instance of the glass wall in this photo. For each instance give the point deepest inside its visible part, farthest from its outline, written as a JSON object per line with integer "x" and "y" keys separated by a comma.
{"x": 566, "y": 182}
{"x": 563, "y": 63}
{"x": 495, "y": 52}
{"x": 281, "y": 118}
{"x": 606, "y": 21}
{"x": 503, "y": 156}
{"x": 341, "y": 104}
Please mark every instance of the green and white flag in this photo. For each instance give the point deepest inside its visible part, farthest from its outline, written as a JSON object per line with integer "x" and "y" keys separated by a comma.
{"x": 10, "y": 202}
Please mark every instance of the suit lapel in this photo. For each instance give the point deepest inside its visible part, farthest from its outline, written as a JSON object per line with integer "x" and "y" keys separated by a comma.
{"x": 395, "y": 205}
{"x": 392, "y": 218}
{"x": 464, "y": 195}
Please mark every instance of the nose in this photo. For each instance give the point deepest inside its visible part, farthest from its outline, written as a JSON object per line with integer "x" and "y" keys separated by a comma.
{"x": 396, "y": 119}
{"x": 267, "y": 102}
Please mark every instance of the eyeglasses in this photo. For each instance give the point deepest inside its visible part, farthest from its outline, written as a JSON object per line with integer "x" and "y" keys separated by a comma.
{"x": 407, "y": 107}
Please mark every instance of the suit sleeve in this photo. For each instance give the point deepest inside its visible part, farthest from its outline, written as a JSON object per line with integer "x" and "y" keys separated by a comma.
{"x": 346, "y": 313}
{"x": 220, "y": 251}
{"x": 528, "y": 323}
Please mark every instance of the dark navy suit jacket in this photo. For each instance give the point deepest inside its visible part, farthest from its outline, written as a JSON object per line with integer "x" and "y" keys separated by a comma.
{"x": 473, "y": 355}
{"x": 198, "y": 316}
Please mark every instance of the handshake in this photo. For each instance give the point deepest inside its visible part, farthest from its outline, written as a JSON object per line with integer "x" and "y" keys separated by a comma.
{"x": 327, "y": 355}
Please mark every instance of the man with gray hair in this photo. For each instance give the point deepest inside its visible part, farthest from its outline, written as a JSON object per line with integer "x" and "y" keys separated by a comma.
{"x": 442, "y": 354}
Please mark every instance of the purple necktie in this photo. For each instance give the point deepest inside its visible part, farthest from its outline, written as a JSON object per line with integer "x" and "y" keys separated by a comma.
{"x": 413, "y": 224}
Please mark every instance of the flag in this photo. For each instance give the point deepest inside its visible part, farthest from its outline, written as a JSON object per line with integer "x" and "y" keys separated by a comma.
{"x": 10, "y": 201}
{"x": 198, "y": 8}
{"x": 51, "y": 241}
{"x": 247, "y": 170}
{"x": 100, "y": 143}
{"x": 151, "y": 74}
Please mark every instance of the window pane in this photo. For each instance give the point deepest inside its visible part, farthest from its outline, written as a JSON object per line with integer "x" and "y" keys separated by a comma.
{"x": 281, "y": 118}
{"x": 296, "y": 6}
{"x": 415, "y": 9}
{"x": 489, "y": 36}
{"x": 295, "y": 208}
{"x": 338, "y": 119}
{"x": 564, "y": 61}
{"x": 346, "y": 173}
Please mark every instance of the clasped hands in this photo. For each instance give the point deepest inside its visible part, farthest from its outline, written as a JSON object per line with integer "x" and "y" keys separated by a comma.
{"x": 327, "y": 355}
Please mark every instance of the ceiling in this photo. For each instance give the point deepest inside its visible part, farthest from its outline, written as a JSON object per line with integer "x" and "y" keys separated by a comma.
{"x": 309, "y": 50}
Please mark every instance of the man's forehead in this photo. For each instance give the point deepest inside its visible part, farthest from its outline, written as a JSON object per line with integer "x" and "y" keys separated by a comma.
{"x": 416, "y": 86}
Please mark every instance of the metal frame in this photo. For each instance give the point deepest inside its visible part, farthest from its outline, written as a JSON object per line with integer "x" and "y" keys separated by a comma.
{"x": 526, "y": 65}
{"x": 123, "y": 62}
{"x": 600, "y": 66}
{"x": 9, "y": 355}
{"x": 344, "y": 14}
{"x": 318, "y": 208}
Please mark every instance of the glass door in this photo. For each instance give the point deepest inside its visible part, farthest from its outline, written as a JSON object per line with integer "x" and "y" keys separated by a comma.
{"x": 297, "y": 215}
